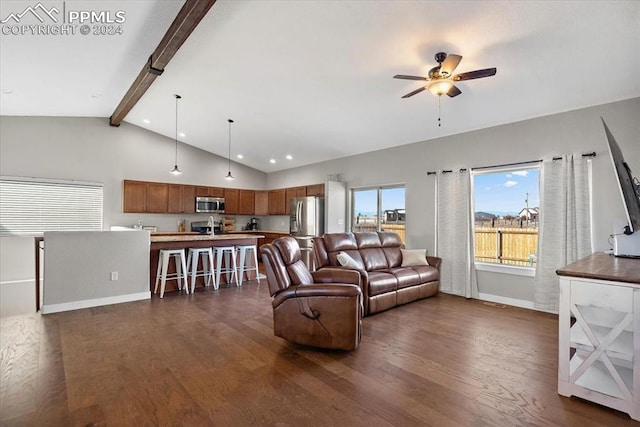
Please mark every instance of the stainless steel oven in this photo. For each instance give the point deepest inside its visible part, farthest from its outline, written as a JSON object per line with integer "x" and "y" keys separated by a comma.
{"x": 210, "y": 204}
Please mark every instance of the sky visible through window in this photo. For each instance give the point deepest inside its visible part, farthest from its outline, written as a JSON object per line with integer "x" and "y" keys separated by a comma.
{"x": 505, "y": 193}
{"x": 366, "y": 200}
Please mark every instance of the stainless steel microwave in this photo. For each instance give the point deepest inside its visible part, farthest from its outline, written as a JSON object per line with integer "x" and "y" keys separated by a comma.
{"x": 210, "y": 204}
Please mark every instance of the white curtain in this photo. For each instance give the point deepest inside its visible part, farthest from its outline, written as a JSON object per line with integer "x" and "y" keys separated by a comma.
{"x": 455, "y": 235}
{"x": 564, "y": 233}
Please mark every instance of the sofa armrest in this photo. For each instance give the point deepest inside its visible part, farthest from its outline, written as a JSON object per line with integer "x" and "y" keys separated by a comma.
{"x": 336, "y": 275}
{"x": 434, "y": 261}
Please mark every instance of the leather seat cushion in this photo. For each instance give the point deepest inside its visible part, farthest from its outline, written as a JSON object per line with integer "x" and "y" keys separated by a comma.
{"x": 406, "y": 276}
{"x": 427, "y": 273}
{"x": 381, "y": 282}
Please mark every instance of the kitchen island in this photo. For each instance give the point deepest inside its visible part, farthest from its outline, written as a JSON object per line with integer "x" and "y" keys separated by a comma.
{"x": 193, "y": 240}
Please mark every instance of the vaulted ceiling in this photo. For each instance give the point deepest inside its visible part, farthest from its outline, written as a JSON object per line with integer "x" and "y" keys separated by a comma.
{"x": 313, "y": 79}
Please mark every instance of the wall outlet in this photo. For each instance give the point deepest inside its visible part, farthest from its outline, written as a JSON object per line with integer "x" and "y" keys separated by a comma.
{"x": 340, "y": 221}
{"x": 114, "y": 275}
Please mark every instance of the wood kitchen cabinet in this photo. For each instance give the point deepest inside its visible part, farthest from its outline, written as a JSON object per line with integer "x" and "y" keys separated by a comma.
{"x": 210, "y": 191}
{"x": 246, "y": 204}
{"x": 292, "y": 192}
{"x": 316, "y": 190}
{"x": 181, "y": 199}
{"x": 134, "y": 197}
{"x": 157, "y": 197}
{"x": 277, "y": 202}
{"x": 231, "y": 201}
{"x": 261, "y": 204}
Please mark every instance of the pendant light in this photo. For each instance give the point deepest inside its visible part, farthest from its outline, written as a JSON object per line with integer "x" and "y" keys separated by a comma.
{"x": 176, "y": 171}
{"x": 229, "y": 177}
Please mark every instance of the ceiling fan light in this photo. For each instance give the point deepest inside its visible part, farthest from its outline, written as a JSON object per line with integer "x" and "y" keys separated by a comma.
{"x": 440, "y": 87}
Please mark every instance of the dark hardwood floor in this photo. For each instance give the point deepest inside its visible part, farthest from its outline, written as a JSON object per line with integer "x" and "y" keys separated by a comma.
{"x": 211, "y": 359}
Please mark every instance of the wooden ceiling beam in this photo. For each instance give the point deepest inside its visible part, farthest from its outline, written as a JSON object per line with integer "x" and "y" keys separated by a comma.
{"x": 181, "y": 28}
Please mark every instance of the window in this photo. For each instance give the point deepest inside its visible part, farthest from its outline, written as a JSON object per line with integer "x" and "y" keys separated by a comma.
{"x": 506, "y": 208}
{"x": 32, "y": 206}
{"x": 379, "y": 209}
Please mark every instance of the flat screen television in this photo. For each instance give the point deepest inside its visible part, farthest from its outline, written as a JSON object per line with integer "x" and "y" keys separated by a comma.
{"x": 629, "y": 186}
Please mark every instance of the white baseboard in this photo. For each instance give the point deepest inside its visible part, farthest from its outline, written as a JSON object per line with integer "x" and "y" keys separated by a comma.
{"x": 76, "y": 305}
{"x": 507, "y": 301}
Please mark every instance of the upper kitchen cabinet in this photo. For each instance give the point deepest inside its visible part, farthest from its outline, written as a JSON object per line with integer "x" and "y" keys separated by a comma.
{"x": 210, "y": 191}
{"x": 316, "y": 190}
{"x": 181, "y": 199}
{"x": 246, "y": 205}
{"x": 134, "y": 197}
{"x": 231, "y": 201}
{"x": 277, "y": 205}
{"x": 261, "y": 204}
{"x": 157, "y": 197}
{"x": 291, "y": 193}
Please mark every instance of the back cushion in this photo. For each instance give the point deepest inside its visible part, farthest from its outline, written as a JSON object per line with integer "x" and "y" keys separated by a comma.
{"x": 290, "y": 252}
{"x": 335, "y": 242}
{"x": 374, "y": 259}
{"x": 391, "y": 245}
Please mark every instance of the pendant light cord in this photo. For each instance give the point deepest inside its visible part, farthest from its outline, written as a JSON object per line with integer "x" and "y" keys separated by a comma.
{"x": 229, "y": 155}
{"x": 177, "y": 97}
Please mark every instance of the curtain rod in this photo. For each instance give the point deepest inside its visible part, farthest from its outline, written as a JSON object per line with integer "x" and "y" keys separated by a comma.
{"x": 591, "y": 154}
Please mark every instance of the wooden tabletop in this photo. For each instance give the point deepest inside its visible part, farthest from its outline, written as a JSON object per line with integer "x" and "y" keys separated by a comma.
{"x": 604, "y": 267}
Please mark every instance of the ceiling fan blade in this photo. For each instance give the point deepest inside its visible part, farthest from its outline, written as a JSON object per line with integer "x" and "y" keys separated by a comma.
{"x": 450, "y": 63}
{"x": 414, "y": 92}
{"x": 477, "y": 74}
{"x": 454, "y": 91}
{"x": 402, "y": 76}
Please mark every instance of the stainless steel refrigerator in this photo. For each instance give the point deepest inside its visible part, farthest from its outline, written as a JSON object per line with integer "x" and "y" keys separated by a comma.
{"x": 307, "y": 221}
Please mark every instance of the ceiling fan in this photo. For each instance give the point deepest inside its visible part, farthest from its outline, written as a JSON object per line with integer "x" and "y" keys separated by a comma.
{"x": 441, "y": 79}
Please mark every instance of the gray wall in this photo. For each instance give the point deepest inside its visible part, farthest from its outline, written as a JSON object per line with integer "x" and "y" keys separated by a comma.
{"x": 88, "y": 149}
{"x": 78, "y": 267}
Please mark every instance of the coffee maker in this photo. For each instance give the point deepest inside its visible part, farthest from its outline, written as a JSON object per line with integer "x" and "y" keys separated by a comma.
{"x": 253, "y": 224}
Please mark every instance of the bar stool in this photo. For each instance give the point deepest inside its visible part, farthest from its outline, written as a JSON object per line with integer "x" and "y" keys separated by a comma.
{"x": 192, "y": 266}
{"x": 245, "y": 263}
{"x": 163, "y": 264}
{"x": 229, "y": 267}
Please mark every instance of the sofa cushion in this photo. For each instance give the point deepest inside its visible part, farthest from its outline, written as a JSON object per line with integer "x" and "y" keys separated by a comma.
{"x": 367, "y": 239}
{"x": 336, "y": 242}
{"x": 414, "y": 257}
{"x": 427, "y": 273}
{"x": 346, "y": 261}
{"x": 374, "y": 259}
{"x": 381, "y": 282}
{"x": 405, "y": 276}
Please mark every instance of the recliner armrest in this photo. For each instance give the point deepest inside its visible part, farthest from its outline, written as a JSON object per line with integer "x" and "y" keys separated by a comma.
{"x": 318, "y": 290}
{"x": 336, "y": 275}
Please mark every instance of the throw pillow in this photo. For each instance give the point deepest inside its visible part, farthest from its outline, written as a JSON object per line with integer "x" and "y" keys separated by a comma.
{"x": 414, "y": 257}
{"x": 346, "y": 261}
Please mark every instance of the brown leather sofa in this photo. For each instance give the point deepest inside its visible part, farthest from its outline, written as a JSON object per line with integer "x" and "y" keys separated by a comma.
{"x": 319, "y": 309}
{"x": 384, "y": 282}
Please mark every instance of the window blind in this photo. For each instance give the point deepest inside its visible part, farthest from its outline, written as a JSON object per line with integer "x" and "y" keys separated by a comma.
{"x": 31, "y": 206}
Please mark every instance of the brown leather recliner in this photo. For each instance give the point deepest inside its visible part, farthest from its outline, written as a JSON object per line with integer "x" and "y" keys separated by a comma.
{"x": 318, "y": 309}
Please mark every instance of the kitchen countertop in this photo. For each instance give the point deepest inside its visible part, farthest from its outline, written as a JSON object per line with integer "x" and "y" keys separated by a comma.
{"x": 190, "y": 237}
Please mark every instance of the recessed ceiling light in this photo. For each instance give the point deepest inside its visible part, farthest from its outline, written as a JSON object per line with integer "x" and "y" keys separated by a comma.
{"x": 272, "y": 161}
{"x": 182, "y": 134}
{"x": 289, "y": 157}
{"x": 240, "y": 156}
{"x": 147, "y": 121}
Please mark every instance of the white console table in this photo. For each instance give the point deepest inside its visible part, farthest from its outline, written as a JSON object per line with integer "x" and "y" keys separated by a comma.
{"x": 599, "y": 332}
